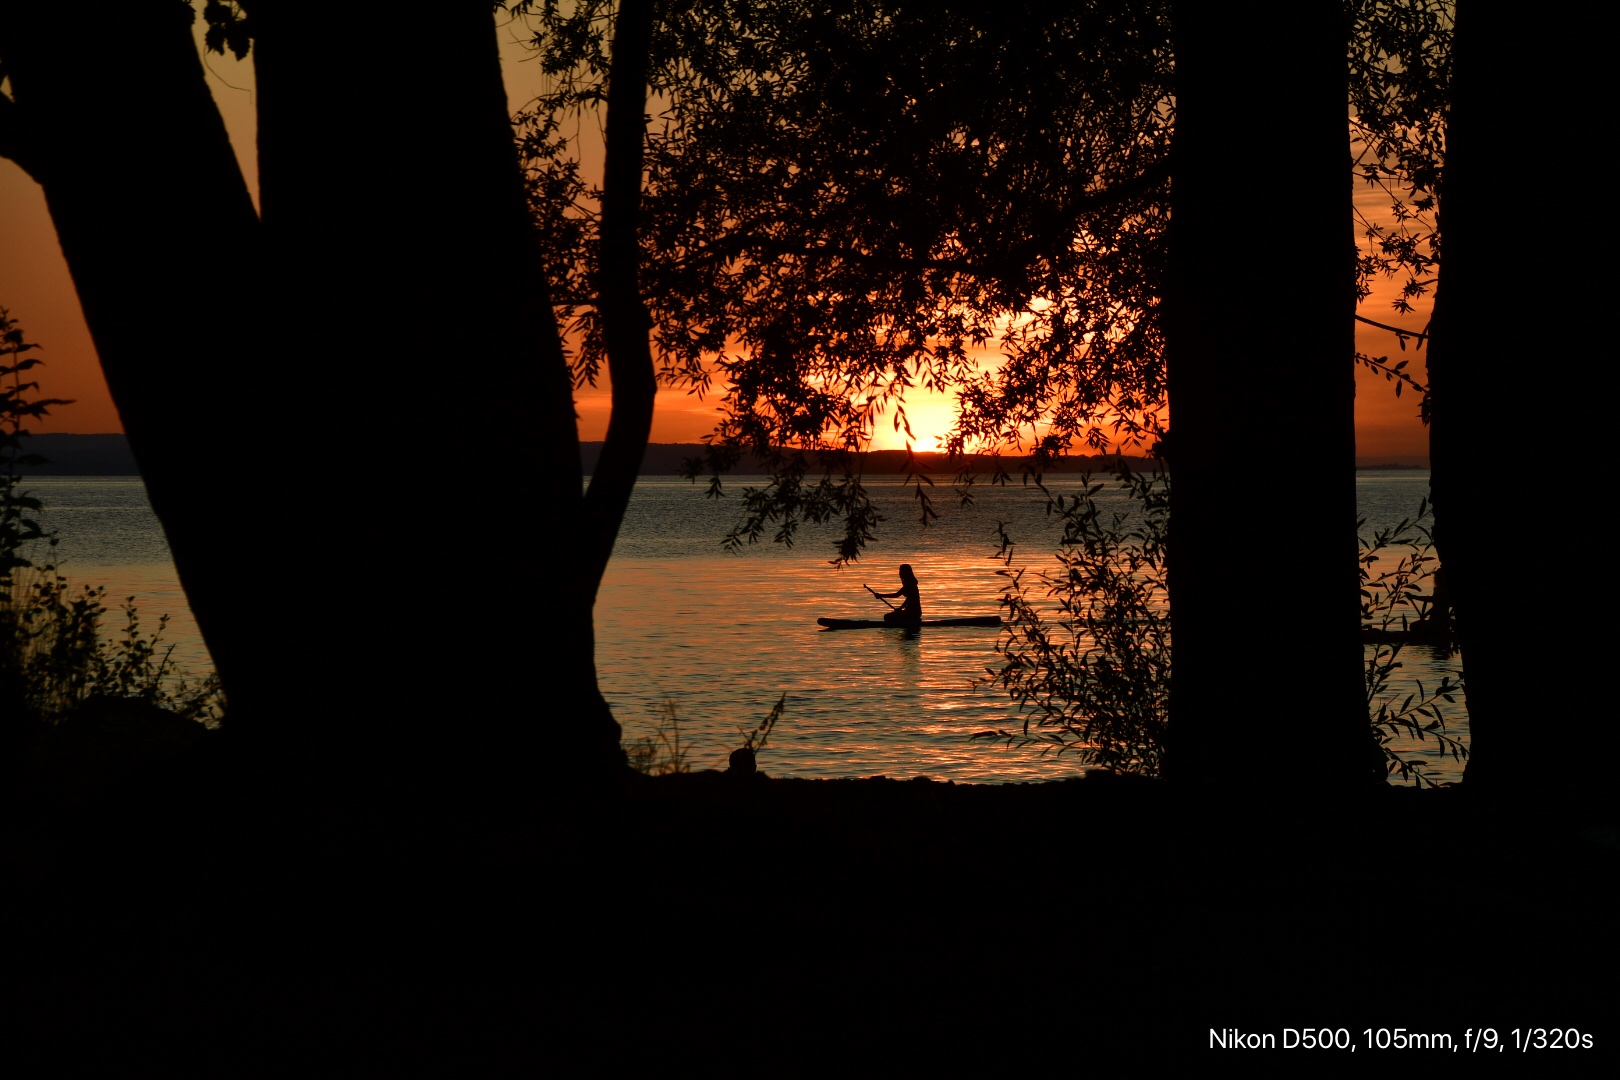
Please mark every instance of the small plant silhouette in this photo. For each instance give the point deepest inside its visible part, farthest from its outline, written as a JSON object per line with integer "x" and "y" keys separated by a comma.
{"x": 52, "y": 655}
{"x": 744, "y": 760}
{"x": 660, "y": 753}
{"x": 757, "y": 738}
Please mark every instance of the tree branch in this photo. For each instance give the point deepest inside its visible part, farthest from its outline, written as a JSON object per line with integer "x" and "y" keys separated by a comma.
{"x": 1397, "y": 331}
{"x": 624, "y": 316}
{"x": 735, "y": 244}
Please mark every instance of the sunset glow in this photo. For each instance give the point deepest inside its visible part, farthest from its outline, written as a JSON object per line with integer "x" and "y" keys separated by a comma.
{"x": 670, "y": 515}
{"x": 931, "y": 416}
{"x": 39, "y": 291}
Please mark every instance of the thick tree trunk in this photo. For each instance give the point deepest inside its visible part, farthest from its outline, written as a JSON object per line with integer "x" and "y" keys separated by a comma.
{"x": 120, "y": 129}
{"x": 1260, "y": 340}
{"x": 373, "y": 602}
{"x": 401, "y": 240}
{"x": 1523, "y": 559}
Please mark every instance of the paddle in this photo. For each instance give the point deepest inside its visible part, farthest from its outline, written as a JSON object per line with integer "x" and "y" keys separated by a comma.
{"x": 880, "y": 596}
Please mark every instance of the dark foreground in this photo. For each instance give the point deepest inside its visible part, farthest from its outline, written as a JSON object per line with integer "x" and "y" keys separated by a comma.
{"x": 1105, "y": 915}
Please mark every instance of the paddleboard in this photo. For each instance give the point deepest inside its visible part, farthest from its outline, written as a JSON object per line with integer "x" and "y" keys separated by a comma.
{"x": 878, "y": 624}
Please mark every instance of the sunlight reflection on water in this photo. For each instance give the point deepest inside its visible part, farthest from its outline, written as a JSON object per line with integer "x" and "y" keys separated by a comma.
{"x": 722, "y": 635}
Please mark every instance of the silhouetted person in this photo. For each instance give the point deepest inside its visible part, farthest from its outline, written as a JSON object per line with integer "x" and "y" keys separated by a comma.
{"x": 910, "y": 610}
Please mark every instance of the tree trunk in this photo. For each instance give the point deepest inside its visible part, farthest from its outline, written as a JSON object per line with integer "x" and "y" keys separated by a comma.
{"x": 399, "y": 235}
{"x": 141, "y": 185}
{"x": 369, "y": 598}
{"x": 1526, "y": 583}
{"x": 624, "y": 315}
{"x": 1260, "y": 344}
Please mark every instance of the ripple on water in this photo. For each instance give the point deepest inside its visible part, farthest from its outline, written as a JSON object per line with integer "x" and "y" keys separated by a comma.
{"x": 723, "y": 636}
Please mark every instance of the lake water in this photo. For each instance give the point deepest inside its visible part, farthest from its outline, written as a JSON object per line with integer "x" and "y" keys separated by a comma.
{"x": 721, "y": 636}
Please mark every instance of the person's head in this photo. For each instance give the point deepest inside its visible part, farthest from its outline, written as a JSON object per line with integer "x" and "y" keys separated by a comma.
{"x": 906, "y": 576}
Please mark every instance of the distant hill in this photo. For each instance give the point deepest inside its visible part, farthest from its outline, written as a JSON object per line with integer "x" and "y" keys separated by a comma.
{"x": 80, "y": 455}
{"x": 108, "y": 455}
{"x": 667, "y": 459}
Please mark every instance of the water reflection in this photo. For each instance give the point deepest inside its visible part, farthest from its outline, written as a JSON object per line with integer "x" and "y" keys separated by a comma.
{"x": 680, "y": 620}
{"x": 860, "y": 702}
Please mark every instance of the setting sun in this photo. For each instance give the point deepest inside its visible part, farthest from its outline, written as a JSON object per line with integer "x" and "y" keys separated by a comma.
{"x": 931, "y": 416}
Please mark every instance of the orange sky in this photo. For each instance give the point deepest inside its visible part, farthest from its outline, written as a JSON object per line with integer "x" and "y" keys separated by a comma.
{"x": 36, "y": 288}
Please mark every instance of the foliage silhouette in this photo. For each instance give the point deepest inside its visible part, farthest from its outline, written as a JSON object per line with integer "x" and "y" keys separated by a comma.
{"x": 1389, "y": 596}
{"x": 55, "y": 641}
{"x": 846, "y": 205}
{"x": 53, "y": 655}
{"x": 1400, "y": 73}
{"x": 755, "y": 740}
{"x": 743, "y": 762}
{"x": 660, "y": 753}
{"x": 444, "y": 253}
{"x": 18, "y": 529}
{"x": 1094, "y": 675}
{"x": 842, "y": 206}
{"x": 869, "y": 188}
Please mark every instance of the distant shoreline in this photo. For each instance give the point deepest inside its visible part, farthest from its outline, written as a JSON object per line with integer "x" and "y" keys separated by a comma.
{"x": 667, "y": 459}
{"x": 80, "y": 455}
{"x": 109, "y": 455}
